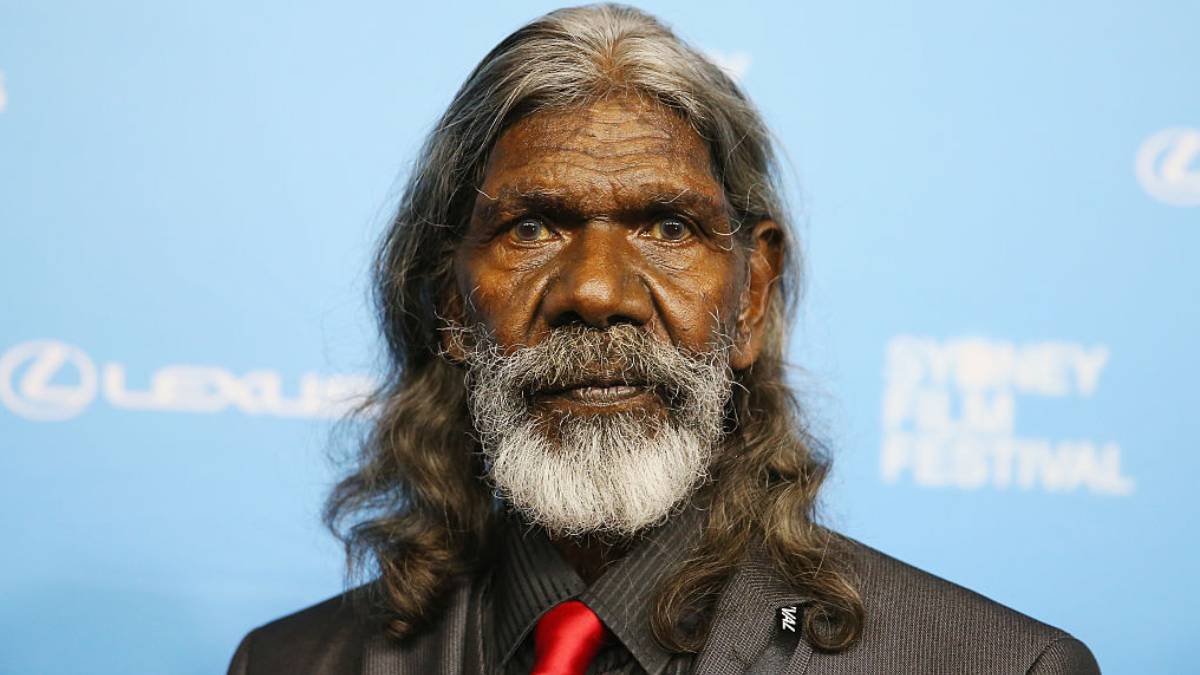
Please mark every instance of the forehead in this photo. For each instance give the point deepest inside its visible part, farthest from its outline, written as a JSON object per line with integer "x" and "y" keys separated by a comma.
{"x": 603, "y": 154}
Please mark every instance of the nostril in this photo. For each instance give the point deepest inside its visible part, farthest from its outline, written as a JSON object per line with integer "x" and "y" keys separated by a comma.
{"x": 566, "y": 318}
{"x": 571, "y": 317}
{"x": 622, "y": 319}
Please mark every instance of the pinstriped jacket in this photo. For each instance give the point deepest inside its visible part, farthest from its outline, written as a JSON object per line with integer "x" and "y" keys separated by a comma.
{"x": 915, "y": 623}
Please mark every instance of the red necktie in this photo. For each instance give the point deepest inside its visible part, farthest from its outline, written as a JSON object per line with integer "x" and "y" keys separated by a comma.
{"x": 566, "y": 639}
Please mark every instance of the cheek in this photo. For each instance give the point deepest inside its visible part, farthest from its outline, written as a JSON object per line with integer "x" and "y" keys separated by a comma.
{"x": 499, "y": 294}
{"x": 700, "y": 300}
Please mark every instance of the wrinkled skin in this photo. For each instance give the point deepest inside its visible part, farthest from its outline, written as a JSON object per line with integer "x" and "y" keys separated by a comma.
{"x": 611, "y": 214}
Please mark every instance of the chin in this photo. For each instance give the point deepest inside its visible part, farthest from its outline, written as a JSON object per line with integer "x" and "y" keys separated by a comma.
{"x": 608, "y": 475}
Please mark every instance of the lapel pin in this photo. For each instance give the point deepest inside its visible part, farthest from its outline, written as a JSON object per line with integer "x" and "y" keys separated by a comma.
{"x": 787, "y": 618}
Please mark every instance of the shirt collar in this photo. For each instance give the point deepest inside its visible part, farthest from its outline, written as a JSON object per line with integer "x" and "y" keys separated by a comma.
{"x": 531, "y": 577}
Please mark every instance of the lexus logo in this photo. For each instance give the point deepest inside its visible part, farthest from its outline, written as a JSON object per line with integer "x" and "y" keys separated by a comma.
{"x": 1168, "y": 166}
{"x": 46, "y": 380}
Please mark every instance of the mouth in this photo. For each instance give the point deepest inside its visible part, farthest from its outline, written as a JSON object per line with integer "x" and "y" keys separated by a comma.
{"x": 596, "y": 394}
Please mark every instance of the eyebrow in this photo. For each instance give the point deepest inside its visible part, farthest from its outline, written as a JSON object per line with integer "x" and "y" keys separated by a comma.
{"x": 558, "y": 204}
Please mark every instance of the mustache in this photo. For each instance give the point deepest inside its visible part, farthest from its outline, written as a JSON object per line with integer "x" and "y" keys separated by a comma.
{"x": 580, "y": 356}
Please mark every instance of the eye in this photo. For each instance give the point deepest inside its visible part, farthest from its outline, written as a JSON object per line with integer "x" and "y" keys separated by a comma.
{"x": 530, "y": 230}
{"x": 670, "y": 229}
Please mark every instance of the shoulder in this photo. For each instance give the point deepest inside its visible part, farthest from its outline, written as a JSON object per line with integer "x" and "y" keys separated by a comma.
{"x": 917, "y": 621}
{"x": 323, "y": 639}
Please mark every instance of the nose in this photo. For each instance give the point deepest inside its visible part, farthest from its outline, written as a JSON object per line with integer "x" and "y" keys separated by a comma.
{"x": 597, "y": 282}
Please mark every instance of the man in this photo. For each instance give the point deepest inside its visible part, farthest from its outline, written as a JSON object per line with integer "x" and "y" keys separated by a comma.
{"x": 585, "y": 458}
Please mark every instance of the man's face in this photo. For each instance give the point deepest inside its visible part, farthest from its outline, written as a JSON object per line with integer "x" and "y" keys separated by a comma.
{"x": 601, "y": 277}
{"x": 602, "y": 215}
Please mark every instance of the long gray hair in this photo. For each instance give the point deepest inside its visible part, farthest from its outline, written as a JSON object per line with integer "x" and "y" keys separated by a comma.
{"x": 415, "y": 509}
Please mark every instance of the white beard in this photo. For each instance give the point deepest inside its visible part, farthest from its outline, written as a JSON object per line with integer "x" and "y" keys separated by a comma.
{"x": 614, "y": 473}
{"x": 604, "y": 475}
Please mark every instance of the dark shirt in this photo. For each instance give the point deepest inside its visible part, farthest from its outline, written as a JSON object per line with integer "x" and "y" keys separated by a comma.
{"x": 531, "y": 577}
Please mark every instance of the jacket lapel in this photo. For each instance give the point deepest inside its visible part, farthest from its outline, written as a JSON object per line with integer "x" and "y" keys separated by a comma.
{"x": 453, "y": 646}
{"x": 751, "y": 633}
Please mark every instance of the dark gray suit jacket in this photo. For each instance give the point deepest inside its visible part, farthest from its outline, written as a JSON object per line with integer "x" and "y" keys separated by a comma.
{"x": 915, "y": 623}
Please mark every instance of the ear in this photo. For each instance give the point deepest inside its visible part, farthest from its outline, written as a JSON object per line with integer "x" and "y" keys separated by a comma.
{"x": 766, "y": 259}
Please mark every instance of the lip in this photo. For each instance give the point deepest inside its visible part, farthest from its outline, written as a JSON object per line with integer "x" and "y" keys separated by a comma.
{"x": 601, "y": 394}
{"x": 597, "y": 395}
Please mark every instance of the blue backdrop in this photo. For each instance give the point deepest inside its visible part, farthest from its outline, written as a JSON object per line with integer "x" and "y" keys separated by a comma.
{"x": 1000, "y": 208}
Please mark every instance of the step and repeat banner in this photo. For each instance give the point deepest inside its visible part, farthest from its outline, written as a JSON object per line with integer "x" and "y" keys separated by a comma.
{"x": 999, "y": 205}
